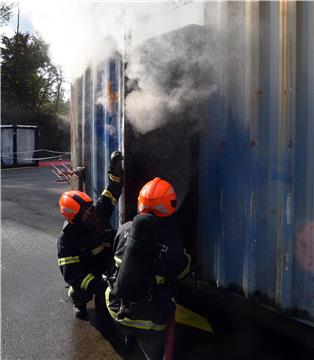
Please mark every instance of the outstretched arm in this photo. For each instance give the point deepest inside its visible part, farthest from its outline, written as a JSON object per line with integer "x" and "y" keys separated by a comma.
{"x": 110, "y": 196}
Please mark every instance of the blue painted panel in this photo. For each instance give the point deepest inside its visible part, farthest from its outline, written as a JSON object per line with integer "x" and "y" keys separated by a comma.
{"x": 101, "y": 123}
{"x": 256, "y": 188}
{"x": 100, "y": 126}
{"x": 113, "y": 118}
{"x": 87, "y": 130}
{"x": 303, "y": 296}
{"x": 267, "y": 158}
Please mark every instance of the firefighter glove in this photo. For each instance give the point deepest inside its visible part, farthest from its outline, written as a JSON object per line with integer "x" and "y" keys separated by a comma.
{"x": 115, "y": 168}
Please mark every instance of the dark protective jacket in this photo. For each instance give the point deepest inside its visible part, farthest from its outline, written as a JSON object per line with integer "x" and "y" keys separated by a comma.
{"x": 149, "y": 261}
{"x": 85, "y": 247}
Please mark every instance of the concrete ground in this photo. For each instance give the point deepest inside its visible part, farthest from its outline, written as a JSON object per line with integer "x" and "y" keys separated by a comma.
{"x": 36, "y": 317}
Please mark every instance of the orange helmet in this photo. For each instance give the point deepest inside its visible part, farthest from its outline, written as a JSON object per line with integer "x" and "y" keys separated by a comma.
{"x": 157, "y": 197}
{"x": 72, "y": 203}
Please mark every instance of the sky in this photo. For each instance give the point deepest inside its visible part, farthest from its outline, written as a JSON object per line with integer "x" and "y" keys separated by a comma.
{"x": 25, "y": 23}
{"x": 75, "y": 29}
{"x": 80, "y": 32}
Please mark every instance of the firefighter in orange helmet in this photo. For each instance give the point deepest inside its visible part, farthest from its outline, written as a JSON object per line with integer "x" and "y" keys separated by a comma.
{"x": 149, "y": 260}
{"x": 84, "y": 246}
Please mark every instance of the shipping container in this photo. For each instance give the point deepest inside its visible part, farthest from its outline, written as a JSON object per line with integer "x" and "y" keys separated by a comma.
{"x": 257, "y": 166}
{"x": 238, "y": 148}
{"x": 18, "y": 145}
{"x": 97, "y": 122}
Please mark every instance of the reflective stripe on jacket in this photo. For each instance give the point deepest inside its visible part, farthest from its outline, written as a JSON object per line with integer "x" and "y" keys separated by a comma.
{"x": 136, "y": 323}
{"x": 154, "y": 312}
{"x": 85, "y": 251}
{"x": 80, "y": 270}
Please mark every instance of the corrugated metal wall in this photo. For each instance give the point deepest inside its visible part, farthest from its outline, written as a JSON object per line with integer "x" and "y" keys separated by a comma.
{"x": 97, "y": 100}
{"x": 256, "y": 223}
{"x": 256, "y": 156}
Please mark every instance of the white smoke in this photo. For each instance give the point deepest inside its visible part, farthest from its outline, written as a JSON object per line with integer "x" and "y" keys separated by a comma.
{"x": 173, "y": 76}
{"x": 83, "y": 33}
{"x": 80, "y": 33}
{"x": 170, "y": 58}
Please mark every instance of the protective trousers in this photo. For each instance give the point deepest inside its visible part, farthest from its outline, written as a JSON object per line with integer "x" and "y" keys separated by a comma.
{"x": 151, "y": 342}
{"x": 79, "y": 297}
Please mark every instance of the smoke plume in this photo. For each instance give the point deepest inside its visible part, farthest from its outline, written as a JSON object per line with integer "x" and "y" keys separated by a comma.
{"x": 80, "y": 33}
{"x": 171, "y": 75}
{"x": 169, "y": 69}
{"x": 168, "y": 73}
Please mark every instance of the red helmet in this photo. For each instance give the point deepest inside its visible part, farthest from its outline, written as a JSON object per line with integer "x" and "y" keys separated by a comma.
{"x": 72, "y": 202}
{"x": 157, "y": 197}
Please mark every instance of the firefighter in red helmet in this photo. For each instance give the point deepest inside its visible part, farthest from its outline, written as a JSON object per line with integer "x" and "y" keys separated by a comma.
{"x": 149, "y": 260}
{"x": 84, "y": 246}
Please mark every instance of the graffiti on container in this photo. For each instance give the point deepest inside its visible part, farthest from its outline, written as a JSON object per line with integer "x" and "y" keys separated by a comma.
{"x": 113, "y": 96}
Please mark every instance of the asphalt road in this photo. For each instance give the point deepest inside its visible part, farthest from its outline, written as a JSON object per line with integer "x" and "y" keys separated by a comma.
{"x": 36, "y": 317}
{"x": 37, "y": 321}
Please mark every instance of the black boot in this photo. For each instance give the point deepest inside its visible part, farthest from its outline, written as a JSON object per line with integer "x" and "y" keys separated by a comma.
{"x": 129, "y": 343}
{"x": 80, "y": 311}
{"x": 103, "y": 321}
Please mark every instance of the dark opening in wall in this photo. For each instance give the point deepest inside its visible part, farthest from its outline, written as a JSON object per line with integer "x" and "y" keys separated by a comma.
{"x": 170, "y": 153}
{"x": 171, "y": 85}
